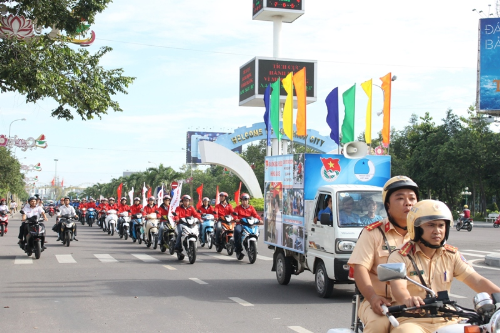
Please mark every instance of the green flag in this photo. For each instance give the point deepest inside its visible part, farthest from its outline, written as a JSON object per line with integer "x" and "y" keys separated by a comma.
{"x": 275, "y": 107}
{"x": 349, "y": 98}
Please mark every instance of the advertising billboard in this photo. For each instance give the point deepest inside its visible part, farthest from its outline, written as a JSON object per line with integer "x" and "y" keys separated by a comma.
{"x": 488, "y": 98}
{"x": 193, "y": 137}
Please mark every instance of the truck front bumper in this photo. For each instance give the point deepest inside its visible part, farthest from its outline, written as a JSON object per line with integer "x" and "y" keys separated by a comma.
{"x": 341, "y": 270}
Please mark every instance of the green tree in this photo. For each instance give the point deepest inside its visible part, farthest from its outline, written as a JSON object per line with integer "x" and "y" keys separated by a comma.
{"x": 44, "y": 66}
{"x": 12, "y": 180}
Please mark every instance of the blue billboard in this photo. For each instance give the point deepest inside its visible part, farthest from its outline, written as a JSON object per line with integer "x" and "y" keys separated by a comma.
{"x": 489, "y": 64}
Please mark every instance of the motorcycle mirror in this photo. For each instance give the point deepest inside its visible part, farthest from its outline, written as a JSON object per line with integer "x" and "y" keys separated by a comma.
{"x": 234, "y": 213}
{"x": 174, "y": 213}
{"x": 394, "y": 271}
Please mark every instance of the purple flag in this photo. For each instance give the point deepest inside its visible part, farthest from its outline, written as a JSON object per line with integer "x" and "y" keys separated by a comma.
{"x": 332, "y": 118}
{"x": 267, "y": 118}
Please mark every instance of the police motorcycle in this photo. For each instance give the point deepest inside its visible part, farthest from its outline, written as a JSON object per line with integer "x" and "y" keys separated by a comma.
{"x": 91, "y": 216}
{"x": 249, "y": 236}
{"x": 110, "y": 222}
{"x": 189, "y": 238}
{"x": 35, "y": 236}
{"x": 123, "y": 225}
{"x": 151, "y": 231}
{"x": 227, "y": 240}
{"x": 67, "y": 229}
{"x": 484, "y": 317}
{"x": 208, "y": 223}
{"x": 168, "y": 237}
{"x": 464, "y": 223}
{"x": 137, "y": 228}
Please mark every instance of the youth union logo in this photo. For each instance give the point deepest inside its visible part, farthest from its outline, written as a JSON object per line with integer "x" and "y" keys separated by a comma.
{"x": 331, "y": 169}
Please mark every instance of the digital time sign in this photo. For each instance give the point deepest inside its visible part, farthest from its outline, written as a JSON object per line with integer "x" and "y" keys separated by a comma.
{"x": 286, "y": 4}
{"x": 267, "y": 10}
{"x": 247, "y": 81}
{"x": 258, "y": 5}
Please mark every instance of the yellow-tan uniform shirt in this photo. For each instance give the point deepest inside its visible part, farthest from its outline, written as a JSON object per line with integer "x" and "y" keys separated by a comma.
{"x": 438, "y": 272}
{"x": 371, "y": 251}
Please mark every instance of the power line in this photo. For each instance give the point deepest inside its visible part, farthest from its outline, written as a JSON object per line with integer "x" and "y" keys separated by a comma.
{"x": 129, "y": 150}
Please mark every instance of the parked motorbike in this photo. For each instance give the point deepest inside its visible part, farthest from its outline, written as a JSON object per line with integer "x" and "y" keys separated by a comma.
{"x": 83, "y": 215}
{"x": 4, "y": 222}
{"x": 189, "y": 239}
{"x": 226, "y": 241}
{"x": 123, "y": 225}
{"x": 250, "y": 237}
{"x": 137, "y": 229}
{"x": 110, "y": 222}
{"x": 67, "y": 229}
{"x": 35, "y": 237}
{"x": 207, "y": 230}
{"x": 485, "y": 316}
{"x": 151, "y": 232}
{"x": 168, "y": 237}
{"x": 464, "y": 223}
{"x": 496, "y": 224}
{"x": 91, "y": 216}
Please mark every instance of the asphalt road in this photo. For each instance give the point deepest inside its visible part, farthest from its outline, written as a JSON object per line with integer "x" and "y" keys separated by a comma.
{"x": 102, "y": 283}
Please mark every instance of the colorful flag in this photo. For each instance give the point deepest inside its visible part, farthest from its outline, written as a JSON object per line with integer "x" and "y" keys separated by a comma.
{"x": 275, "y": 108}
{"x": 160, "y": 196}
{"x": 386, "y": 128}
{"x": 237, "y": 196}
{"x": 299, "y": 81}
{"x": 176, "y": 198}
{"x": 149, "y": 194}
{"x": 349, "y": 99}
{"x": 119, "y": 192}
{"x": 53, "y": 182}
{"x": 217, "y": 201}
{"x": 367, "y": 87}
{"x": 131, "y": 196}
{"x": 267, "y": 114}
{"x": 288, "y": 108}
{"x": 199, "y": 190}
{"x": 332, "y": 118}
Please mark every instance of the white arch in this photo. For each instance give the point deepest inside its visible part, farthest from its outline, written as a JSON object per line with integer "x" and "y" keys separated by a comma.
{"x": 213, "y": 153}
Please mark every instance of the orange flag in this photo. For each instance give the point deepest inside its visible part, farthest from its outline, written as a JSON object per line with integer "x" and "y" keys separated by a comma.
{"x": 237, "y": 196}
{"x": 199, "y": 190}
{"x": 217, "y": 200}
{"x": 299, "y": 81}
{"x": 386, "y": 128}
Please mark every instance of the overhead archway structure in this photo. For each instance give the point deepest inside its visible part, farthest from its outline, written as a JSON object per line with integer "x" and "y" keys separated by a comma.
{"x": 213, "y": 153}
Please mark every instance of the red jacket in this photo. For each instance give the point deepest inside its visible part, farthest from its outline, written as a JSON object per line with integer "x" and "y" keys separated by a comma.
{"x": 135, "y": 209}
{"x": 113, "y": 206}
{"x": 185, "y": 212}
{"x": 148, "y": 210}
{"x": 90, "y": 205}
{"x": 246, "y": 212}
{"x": 220, "y": 210}
{"x": 123, "y": 208}
{"x": 466, "y": 213}
{"x": 82, "y": 205}
{"x": 208, "y": 210}
{"x": 163, "y": 211}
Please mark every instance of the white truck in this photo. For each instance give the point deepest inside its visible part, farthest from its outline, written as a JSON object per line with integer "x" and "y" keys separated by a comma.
{"x": 316, "y": 205}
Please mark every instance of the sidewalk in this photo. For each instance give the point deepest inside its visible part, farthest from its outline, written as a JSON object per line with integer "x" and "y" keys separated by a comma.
{"x": 480, "y": 224}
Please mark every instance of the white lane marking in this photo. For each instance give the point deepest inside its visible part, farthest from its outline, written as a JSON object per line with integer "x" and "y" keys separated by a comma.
{"x": 457, "y": 296}
{"x": 299, "y": 329}
{"x": 197, "y": 281}
{"x": 65, "y": 259}
{"x": 487, "y": 252}
{"x": 23, "y": 260}
{"x": 472, "y": 254}
{"x": 240, "y": 301}
{"x": 106, "y": 258}
{"x": 145, "y": 257}
{"x": 263, "y": 257}
{"x": 473, "y": 263}
{"x": 170, "y": 267}
{"x": 220, "y": 256}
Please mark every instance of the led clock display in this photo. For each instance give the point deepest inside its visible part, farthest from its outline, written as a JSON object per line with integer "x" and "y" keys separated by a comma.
{"x": 284, "y": 4}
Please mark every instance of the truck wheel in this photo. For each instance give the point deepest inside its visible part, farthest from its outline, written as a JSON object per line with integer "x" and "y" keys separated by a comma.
{"x": 324, "y": 285}
{"x": 283, "y": 269}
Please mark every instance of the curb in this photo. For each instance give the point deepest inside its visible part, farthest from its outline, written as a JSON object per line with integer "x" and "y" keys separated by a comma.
{"x": 492, "y": 260}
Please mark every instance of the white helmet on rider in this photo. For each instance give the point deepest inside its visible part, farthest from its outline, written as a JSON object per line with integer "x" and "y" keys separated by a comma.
{"x": 186, "y": 197}
{"x": 165, "y": 197}
{"x": 205, "y": 199}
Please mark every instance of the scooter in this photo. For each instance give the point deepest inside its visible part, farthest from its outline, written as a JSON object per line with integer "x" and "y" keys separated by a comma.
{"x": 82, "y": 216}
{"x": 51, "y": 211}
{"x": 123, "y": 225}
{"x": 250, "y": 237}
{"x": 496, "y": 224}
{"x": 168, "y": 237}
{"x": 67, "y": 229}
{"x": 4, "y": 222}
{"x": 91, "y": 216}
{"x": 35, "y": 237}
{"x": 207, "y": 230}
{"x": 461, "y": 223}
{"x": 189, "y": 239}
{"x": 151, "y": 232}
{"x": 110, "y": 222}
{"x": 137, "y": 228}
{"x": 227, "y": 240}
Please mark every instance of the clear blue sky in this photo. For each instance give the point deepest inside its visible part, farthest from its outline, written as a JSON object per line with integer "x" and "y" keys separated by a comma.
{"x": 186, "y": 57}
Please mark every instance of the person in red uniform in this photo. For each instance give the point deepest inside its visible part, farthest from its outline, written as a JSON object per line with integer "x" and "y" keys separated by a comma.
{"x": 150, "y": 207}
{"x": 112, "y": 205}
{"x": 135, "y": 209}
{"x": 184, "y": 210}
{"x": 222, "y": 209}
{"x": 83, "y": 204}
{"x": 91, "y": 204}
{"x": 243, "y": 210}
{"x": 122, "y": 207}
{"x": 163, "y": 211}
{"x": 205, "y": 208}
{"x": 466, "y": 216}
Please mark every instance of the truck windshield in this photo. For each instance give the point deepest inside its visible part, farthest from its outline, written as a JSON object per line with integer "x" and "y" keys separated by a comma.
{"x": 359, "y": 208}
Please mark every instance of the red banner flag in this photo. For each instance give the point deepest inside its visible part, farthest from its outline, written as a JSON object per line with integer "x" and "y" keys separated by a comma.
{"x": 217, "y": 201}
{"x": 148, "y": 195}
{"x": 53, "y": 182}
{"x": 62, "y": 182}
{"x": 119, "y": 192}
{"x": 199, "y": 190}
{"x": 237, "y": 196}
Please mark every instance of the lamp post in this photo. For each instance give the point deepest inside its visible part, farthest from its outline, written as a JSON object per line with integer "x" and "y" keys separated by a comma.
{"x": 156, "y": 165}
{"x": 55, "y": 179}
{"x": 23, "y": 119}
{"x": 466, "y": 193}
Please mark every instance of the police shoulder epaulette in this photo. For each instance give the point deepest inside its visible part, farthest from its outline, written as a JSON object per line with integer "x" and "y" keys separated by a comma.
{"x": 450, "y": 248}
{"x": 373, "y": 226}
{"x": 406, "y": 249}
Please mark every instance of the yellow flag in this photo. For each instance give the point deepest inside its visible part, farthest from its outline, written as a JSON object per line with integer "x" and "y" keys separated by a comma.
{"x": 288, "y": 109}
{"x": 367, "y": 87}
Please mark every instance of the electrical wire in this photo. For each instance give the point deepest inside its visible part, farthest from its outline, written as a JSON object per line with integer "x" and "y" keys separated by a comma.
{"x": 126, "y": 150}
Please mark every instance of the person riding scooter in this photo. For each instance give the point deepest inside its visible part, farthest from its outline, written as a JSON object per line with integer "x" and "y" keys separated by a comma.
{"x": 122, "y": 207}
{"x": 222, "y": 209}
{"x": 205, "y": 208}
{"x": 66, "y": 209}
{"x": 242, "y": 211}
{"x": 31, "y": 209}
{"x": 184, "y": 210}
{"x": 163, "y": 211}
{"x": 136, "y": 208}
{"x": 466, "y": 215}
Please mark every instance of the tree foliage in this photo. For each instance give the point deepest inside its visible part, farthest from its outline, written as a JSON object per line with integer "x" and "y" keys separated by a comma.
{"x": 12, "y": 180}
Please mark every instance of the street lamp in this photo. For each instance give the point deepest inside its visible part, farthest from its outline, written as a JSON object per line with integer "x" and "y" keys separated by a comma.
{"x": 466, "y": 193}
{"x": 23, "y": 119}
{"x": 153, "y": 163}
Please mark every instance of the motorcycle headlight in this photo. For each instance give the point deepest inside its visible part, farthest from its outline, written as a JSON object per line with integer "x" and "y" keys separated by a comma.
{"x": 345, "y": 246}
{"x": 495, "y": 322}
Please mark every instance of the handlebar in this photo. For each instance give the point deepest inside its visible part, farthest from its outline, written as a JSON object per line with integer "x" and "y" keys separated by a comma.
{"x": 394, "y": 322}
